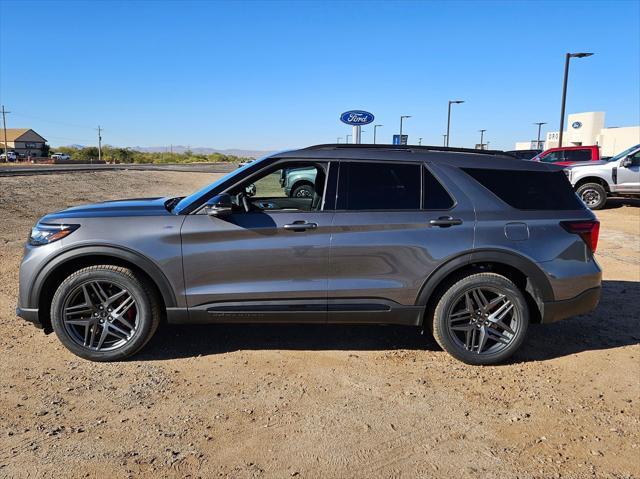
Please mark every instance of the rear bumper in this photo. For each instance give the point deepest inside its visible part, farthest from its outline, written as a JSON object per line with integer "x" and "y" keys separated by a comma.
{"x": 584, "y": 303}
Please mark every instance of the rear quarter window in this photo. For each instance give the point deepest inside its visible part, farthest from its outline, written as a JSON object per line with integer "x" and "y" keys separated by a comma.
{"x": 529, "y": 190}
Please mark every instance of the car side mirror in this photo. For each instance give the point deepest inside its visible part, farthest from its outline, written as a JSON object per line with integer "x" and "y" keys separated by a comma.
{"x": 627, "y": 162}
{"x": 219, "y": 205}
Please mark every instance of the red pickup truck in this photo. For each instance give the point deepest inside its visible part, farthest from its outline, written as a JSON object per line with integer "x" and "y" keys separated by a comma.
{"x": 567, "y": 155}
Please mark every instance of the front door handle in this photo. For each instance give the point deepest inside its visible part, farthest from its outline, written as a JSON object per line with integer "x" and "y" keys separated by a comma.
{"x": 445, "y": 221}
{"x": 301, "y": 226}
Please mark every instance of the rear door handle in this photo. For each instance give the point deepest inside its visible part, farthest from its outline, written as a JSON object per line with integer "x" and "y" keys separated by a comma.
{"x": 300, "y": 226}
{"x": 445, "y": 222}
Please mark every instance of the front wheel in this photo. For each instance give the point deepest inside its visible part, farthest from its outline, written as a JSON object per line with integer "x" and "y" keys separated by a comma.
{"x": 593, "y": 195}
{"x": 481, "y": 319}
{"x": 104, "y": 313}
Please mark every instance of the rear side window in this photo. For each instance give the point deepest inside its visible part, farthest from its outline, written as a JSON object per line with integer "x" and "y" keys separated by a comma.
{"x": 552, "y": 157}
{"x": 435, "y": 196}
{"x": 529, "y": 190}
{"x": 577, "y": 155}
{"x": 378, "y": 186}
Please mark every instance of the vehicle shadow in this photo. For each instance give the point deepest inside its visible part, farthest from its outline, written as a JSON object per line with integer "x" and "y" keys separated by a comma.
{"x": 614, "y": 324}
{"x": 613, "y": 203}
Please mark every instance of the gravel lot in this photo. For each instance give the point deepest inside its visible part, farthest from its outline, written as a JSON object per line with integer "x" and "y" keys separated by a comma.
{"x": 313, "y": 401}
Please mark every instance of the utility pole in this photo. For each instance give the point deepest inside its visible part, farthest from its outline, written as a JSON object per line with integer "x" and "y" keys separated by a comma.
{"x": 567, "y": 59}
{"x": 375, "y": 127}
{"x": 540, "y": 123}
{"x": 481, "y": 139}
{"x": 4, "y": 126}
{"x": 99, "y": 144}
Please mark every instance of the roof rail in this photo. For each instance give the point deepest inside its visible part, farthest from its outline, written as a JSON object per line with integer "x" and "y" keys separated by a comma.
{"x": 410, "y": 148}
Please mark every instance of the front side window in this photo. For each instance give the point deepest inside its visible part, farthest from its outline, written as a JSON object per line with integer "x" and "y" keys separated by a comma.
{"x": 552, "y": 157}
{"x": 379, "y": 186}
{"x": 291, "y": 187}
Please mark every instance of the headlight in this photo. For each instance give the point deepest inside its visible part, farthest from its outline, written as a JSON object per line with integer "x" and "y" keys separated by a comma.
{"x": 43, "y": 233}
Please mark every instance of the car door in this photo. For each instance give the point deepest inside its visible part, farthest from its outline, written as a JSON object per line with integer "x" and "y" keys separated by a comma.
{"x": 629, "y": 176}
{"x": 267, "y": 260}
{"x": 394, "y": 224}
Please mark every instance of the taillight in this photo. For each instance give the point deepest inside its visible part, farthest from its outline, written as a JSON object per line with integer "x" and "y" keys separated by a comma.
{"x": 587, "y": 230}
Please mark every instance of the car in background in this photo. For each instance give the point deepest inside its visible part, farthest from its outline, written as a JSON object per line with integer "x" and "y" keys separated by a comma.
{"x": 245, "y": 162}
{"x": 568, "y": 155}
{"x": 60, "y": 156}
{"x": 594, "y": 181}
{"x": 524, "y": 154}
{"x": 9, "y": 156}
{"x": 298, "y": 182}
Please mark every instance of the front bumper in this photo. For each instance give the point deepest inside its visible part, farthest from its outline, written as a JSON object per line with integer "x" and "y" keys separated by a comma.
{"x": 583, "y": 303}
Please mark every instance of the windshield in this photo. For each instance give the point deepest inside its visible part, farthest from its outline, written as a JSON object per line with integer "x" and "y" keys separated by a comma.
{"x": 624, "y": 153}
{"x": 187, "y": 200}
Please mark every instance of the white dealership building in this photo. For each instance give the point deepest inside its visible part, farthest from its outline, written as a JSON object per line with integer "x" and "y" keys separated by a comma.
{"x": 588, "y": 129}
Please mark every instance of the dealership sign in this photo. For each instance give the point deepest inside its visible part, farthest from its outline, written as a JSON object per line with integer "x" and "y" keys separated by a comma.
{"x": 576, "y": 124}
{"x": 357, "y": 117}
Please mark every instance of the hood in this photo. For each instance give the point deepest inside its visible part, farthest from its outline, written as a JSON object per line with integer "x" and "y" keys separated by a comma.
{"x": 132, "y": 207}
{"x": 588, "y": 163}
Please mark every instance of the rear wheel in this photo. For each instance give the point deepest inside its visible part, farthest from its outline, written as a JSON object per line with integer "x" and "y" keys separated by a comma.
{"x": 593, "y": 195}
{"x": 481, "y": 319}
{"x": 104, "y": 313}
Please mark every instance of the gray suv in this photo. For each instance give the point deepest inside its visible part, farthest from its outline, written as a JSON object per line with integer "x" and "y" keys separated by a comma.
{"x": 466, "y": 243}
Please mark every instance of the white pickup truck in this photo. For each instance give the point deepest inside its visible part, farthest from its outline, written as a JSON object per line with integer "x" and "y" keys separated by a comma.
{"x": 595, "y": 181}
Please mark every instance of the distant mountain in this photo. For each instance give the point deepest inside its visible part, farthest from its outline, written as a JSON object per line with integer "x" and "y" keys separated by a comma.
{"x": 202, "y": 150}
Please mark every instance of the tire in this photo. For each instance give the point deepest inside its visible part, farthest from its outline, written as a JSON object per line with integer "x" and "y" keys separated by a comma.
{"x": 593, "y": 195}
{"x": 499, "y": 343}
{"x": 302, "y": 191}
{"x": 100, "y": 298}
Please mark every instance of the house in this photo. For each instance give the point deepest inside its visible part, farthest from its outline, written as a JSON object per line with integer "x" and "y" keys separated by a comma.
{"x": 24, "y": 141}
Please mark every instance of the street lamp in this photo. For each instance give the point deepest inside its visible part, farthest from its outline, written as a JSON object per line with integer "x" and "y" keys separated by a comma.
{"x": 481, "y": 139}
{"x": 540, "y": 123}
{"x": 449, "y": 117}
{"x": 568, "y": 57}
{"x": 402, "y": 118}
{"x": 338, "y": 139}
{"x": 375, "y": 127}
{"x": 347, "y": 138}
{"x": 420, "y": 141}
{"x": 444, "y": 140}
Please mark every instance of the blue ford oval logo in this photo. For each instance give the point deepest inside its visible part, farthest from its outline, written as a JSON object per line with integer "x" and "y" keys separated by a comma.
{"x": 357, "y": 117}
{"x": 576, "y": 124}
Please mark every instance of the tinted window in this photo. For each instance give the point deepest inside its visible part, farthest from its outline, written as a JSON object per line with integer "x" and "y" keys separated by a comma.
{"x": 435, "y": 196}
{"x": 577, "y": 155}
{"x": 529, "y": 190}
{"x": 379, "y": 186}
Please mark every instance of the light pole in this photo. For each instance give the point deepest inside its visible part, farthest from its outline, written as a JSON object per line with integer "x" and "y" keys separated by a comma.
{"x": 540, "y": 123}
{"x": 375, "y": 127}
{"x": 444, "y": 140}
{"x": 338, "y": 139}
{"x": 482, "y": 139}
{"x": 420, "y": 141}
{"x": 449, "y": 117}
{"x": 347, "y": 138}
{"x": 568, "y": 57}
{"x": 402, "y": 118}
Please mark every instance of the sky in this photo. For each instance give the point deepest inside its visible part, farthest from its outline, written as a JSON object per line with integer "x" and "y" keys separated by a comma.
{"x": 273, "y": 75}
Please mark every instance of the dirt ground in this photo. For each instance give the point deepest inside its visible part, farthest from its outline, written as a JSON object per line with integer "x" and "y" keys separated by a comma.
{"x": 316, "y": 401}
